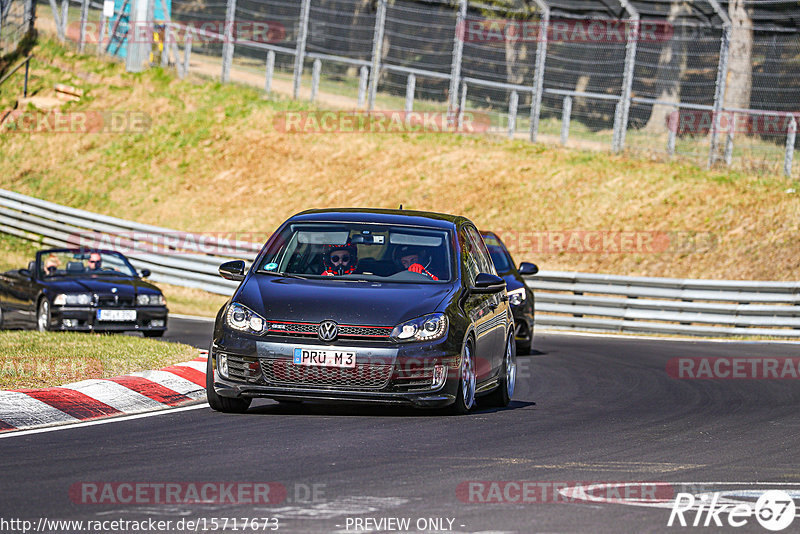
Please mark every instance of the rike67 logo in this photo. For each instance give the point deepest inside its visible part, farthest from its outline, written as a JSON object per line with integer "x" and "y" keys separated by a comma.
{"x": 774, "y": 510}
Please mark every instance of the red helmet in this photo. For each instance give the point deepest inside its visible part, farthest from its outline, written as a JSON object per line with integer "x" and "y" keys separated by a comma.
{"x": 336, "y": 254}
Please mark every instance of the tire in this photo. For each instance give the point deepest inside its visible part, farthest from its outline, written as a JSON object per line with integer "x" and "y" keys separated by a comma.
{"x": 153, "y": 333}
{"x": 508, "y": 377}
{"x": 465, "y": 396}
{"x": 43, "y": 315}
{"x": 524, "y": 348}
{"x": 222, "y": 404}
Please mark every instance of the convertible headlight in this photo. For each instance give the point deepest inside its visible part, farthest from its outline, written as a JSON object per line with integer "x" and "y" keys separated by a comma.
{"x": 73, "y": 299}
{"x": 244, "y": 319}
{"x": 151, "y": 300}
{"x": 517, "y": 296}
{"x": 425, "y": 328}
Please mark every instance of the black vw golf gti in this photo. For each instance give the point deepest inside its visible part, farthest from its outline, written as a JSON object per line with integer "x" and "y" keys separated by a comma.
{"x": 375, "y": 306}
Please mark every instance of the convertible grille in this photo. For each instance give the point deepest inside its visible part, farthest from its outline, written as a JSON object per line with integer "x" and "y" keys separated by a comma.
{"x": 346, "y": 331}
{"x": 283, "y": 372}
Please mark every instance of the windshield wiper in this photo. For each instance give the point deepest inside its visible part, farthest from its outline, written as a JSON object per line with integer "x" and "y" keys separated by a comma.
{"x": 285, "y": 275}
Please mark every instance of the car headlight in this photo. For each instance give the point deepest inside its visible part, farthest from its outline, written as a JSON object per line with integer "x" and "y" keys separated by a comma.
{"x": 73, "y": 299}
{"x": 516, "y": 296}
{"x": 244, "y": 319}
{"x": 151, "y": 300}
{"x": 425, "y": 328}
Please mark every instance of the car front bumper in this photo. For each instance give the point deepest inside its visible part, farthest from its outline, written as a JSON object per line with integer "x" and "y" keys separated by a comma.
{"x": 84, "y": 319}
{"x": 399, "y": 374}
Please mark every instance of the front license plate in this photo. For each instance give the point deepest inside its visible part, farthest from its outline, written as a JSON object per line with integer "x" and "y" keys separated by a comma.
{"x": 116, "y": 315}
{"x": 324, "y": 358}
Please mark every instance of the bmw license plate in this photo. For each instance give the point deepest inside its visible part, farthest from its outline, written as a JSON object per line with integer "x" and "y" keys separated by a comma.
{"x": 324, "y": 358}
{"x": 120, "y": 316}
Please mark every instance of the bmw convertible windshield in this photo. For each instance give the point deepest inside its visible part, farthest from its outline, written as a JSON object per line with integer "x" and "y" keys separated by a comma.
{"x": 358, "y": 251}
{"x": 71, "y": 263}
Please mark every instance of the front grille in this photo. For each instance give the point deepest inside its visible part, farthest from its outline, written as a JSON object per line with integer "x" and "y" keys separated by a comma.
{"x": 282, "y": 372}
{"x": 114, "y": 301}
{"x": 345, "y": 331}
{"x": 243, "y": 369}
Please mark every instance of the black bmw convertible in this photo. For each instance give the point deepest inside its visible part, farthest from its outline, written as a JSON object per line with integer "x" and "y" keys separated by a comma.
{"x": 372, "y": 306}
{"x": 81, "y": 290}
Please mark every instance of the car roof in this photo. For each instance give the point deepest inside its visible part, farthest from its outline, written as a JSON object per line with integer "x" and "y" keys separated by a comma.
{"x": 382, "y": 216}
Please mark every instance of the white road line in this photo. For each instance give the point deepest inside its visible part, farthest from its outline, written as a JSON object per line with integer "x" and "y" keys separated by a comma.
{"x": 550, "y": 331}
{"x": 115, "y": 395}
{"x": 20, "y": 410}
{"x": 193, "y": 317}
{"x": 169, "y": 380}
{"x": 79, "y": 424}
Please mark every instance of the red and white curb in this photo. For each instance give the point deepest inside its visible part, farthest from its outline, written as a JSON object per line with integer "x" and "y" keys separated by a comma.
{"x": 146, "y": 391}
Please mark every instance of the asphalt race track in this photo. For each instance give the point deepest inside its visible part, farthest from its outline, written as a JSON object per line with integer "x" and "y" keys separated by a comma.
{"x": 586, "y": 410}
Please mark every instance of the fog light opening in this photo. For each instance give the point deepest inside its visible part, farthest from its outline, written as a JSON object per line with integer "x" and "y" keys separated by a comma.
{"x": 439, "y": 375}
{"x": 70, "y": 323}
{"x": 157, "y": 323}
{"x": 222, "y": 364}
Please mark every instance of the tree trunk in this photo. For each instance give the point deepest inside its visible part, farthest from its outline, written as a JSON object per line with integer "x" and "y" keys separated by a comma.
{"x": 740, "y": 64}
{"x": 671, "y": 68}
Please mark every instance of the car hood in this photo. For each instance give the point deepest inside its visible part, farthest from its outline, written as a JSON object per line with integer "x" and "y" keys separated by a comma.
{"x": 101, "y": 284}
{"x": 512, "y": 282}
{"x": 357, "y": 303}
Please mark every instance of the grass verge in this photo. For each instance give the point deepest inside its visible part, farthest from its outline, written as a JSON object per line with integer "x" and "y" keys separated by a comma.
{"x": 46, "y": 359}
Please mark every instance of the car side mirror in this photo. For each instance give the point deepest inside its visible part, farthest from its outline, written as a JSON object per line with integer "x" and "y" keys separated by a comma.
{"x": 487, "y": 283}
{"x": 527, "y": 268}
{"x": 145, "y": 273}
{"x": 232, "y": 270}
{"x": 26, "y": 273}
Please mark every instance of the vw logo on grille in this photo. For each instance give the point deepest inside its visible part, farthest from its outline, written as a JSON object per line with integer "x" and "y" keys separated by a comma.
{"x": 328, "y": 330}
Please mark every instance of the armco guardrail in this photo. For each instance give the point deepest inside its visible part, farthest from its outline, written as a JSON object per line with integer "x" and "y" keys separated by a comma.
{"x": 564, "y": 300}
{"x": 666, "y": 305}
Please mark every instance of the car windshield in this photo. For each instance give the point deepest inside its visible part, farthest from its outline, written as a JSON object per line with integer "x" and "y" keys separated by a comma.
{"x": 498, "y": 253}
{"x": 359, "y": 251}
{"x": 71, "y": 263}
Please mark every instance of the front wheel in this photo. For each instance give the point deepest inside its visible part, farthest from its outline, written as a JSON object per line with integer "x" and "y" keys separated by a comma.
{"x": 222, "y": 404}
{"x": 43, "y": 316}
{"x": 508, "y": 377}
{"x": 465, "y": 397}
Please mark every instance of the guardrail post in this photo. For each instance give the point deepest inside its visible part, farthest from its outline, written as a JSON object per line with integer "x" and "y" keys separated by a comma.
{"x": 538, "y": 77}
{"x": 566, "y": 114}
{"x": 455, "y": 67}
{"x": 315, "y": 72}
{"x": 729, "y": 139}
{"x": 228, "y": 45}
{"x": 300, "y": 51}
{"x": 462, "y": 106}
{"x": 270, "y": 70}
{"x": 719, "y": 92}
{"x": 84, "y": 18}
{"x": 512, "y": 114}
{"x": 363, "y": 78}
{"x": 411, "y": 85}
{"x": 377, "y": 51}
{"x": 790, "y": 139}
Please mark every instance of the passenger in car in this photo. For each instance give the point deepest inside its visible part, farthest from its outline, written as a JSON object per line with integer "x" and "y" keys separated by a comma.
{"x": 340, "y": 260}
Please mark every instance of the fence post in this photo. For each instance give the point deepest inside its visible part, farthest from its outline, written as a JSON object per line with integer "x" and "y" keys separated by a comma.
{"x": 631, "y": 37}
{"x": 315, "y": 72}
{"x": 411, "y": 85}
{"x": 672, "y": 128}
{"x": 270, "y": 70}
{"x": 722, "y": 76}
{"x": 455, "y": 67}
{"x": 30, "y": 15}
{"x": 729, "y": 140}
{"x": 462, "y": 106}
{"x": 362, "y": 86}
{"x": 187, "y": 52}
{"x": 566, "y": 115}
{"x": 84, "y": 17}
{"x": 57, "y": 19}
{"x": 513, "y": 102}
{"x": 64, "y": 17}
{"x": 790, "y": 138}
{"x": 139, "y": 35}
{"x": 228, "y": 45}
{"x": 377, "y": 51}
{"x": 300, "y": 51}
{"x": 538, "y": 76}
{"x": 165, "y": 45}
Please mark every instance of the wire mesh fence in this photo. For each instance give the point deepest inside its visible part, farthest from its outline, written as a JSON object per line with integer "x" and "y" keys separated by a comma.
{"x": 714, "y": 81}
{"x": 15, "y": 17}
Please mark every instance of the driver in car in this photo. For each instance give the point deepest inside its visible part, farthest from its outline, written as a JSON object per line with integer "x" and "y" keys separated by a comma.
{"x": 340, "y": 260}
{"x": 411, "y": 259}
{"x": 95, "y": 262}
